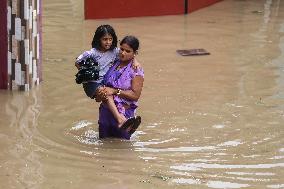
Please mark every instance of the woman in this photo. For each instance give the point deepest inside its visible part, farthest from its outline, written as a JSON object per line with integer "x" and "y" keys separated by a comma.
{"x": 125, "y": 85}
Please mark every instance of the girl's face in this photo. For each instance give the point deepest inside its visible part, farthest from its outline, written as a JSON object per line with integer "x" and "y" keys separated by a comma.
{"x": 126, "y": 53}
{"x": 106, "y": 42}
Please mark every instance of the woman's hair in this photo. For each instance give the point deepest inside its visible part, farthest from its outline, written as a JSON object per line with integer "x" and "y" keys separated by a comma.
{"x": 132, "y": 41}
{"x": 102, "y": 31}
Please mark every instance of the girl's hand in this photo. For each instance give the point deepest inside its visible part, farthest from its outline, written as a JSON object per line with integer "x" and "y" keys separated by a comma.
{"x": 136, "y": 65}
{"x": 77, "y": 65}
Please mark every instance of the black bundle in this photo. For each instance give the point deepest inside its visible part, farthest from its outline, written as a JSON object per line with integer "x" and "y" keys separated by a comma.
{"x": 89, "y": 70}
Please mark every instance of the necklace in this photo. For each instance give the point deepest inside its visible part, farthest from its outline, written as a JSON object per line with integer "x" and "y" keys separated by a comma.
{"x": 120, "y": 66}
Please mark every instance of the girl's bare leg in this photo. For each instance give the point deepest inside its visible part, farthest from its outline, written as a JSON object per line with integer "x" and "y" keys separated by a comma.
{"x": 118, "y": 116}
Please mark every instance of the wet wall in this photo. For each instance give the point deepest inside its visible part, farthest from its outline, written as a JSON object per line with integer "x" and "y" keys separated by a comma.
{"x": 96, "y": 9}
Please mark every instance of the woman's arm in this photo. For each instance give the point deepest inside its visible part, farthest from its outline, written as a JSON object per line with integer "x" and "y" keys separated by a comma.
{"x": 135, "y": 91}
{"x": 132, "y": 94}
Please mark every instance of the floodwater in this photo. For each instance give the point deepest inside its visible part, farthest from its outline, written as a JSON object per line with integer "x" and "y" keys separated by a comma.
{"x": 212, "y": 121}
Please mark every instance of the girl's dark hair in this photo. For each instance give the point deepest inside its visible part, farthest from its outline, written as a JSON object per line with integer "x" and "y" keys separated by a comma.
{"x": 132, "y": 41}
{"x": 100, "y": 32}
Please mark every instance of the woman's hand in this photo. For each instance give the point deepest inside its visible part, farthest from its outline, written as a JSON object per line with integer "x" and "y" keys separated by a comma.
{"x": 103, "y": 93}
{"x": 98, "y": 98}
{"x": 110, "y": 91}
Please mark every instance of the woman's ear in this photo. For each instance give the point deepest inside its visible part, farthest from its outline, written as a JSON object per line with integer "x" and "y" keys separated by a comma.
{"x": 136, "y": 53}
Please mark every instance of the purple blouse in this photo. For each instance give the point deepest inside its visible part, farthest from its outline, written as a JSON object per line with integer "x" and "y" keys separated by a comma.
{"x": 122, "y": 79}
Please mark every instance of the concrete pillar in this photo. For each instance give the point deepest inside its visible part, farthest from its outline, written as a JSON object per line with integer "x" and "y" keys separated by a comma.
{"x": 21, "y": 44}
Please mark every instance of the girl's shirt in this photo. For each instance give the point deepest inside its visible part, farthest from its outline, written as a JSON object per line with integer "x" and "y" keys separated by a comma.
{"x": 104, "y": 59}
{"x": 122, "y": 79}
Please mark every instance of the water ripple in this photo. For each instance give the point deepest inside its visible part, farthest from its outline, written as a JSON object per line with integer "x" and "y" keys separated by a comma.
{"x": 178, "y": 149}
{"x": 199, "y": 166}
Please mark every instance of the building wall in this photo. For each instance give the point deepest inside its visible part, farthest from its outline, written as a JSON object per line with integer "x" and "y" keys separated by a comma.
{"x": 194, "y": 5}
{"x": 3, "y": 45}
{"x": 95, "y": 9}
{"x": 99, "y": 9}
{"x": 20, "y": 34}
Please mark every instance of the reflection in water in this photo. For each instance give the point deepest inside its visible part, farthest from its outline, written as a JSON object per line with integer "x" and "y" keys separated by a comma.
{"x": 20, "y": 160}
{"x": 279, "y": 63}
{"x": 207, "y": 122}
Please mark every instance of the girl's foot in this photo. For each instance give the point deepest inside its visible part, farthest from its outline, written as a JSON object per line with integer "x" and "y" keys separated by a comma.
{"x": 136, "y": 124}
{"x": 128, "y": 124}
{"x": 121, "y": 121}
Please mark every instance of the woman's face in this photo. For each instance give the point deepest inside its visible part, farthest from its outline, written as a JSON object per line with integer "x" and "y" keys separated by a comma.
{"x": 106, "y": 42}
{"x": 126, "y": 53}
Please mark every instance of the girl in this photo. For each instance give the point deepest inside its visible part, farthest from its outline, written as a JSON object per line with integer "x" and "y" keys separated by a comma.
{"x": 105, "y": 52}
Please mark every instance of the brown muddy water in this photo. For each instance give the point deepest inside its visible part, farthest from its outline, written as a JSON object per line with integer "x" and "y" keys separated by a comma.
{"x": 211, "y": 121}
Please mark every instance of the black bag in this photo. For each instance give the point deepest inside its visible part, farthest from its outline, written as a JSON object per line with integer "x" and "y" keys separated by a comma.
{"x": 89, "y": 70}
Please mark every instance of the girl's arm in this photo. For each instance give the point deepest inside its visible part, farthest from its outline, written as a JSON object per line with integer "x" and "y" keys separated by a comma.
{"x": 83, "y": 57}
{"x": 136, "y": 65}
{"x": 77, "y": 65}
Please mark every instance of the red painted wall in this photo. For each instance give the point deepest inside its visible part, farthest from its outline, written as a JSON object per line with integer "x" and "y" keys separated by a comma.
{"x": 194, "y": 5}
{"x": 96, "y": 9}
{"x": 3, "y": 46}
